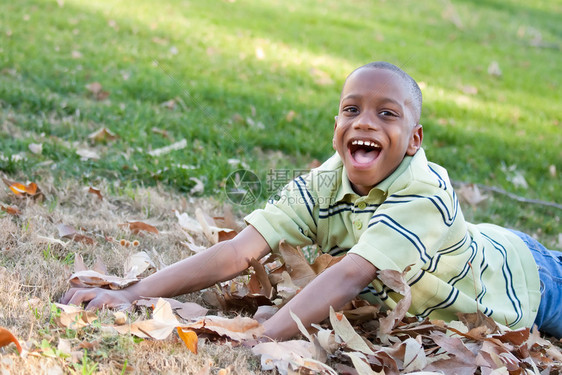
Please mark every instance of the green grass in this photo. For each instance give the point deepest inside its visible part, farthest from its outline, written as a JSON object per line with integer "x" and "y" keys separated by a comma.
{"x": 237, "y": 69}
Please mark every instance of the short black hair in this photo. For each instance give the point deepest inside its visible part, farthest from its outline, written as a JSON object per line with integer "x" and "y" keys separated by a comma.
{"x": 415, "y": 90}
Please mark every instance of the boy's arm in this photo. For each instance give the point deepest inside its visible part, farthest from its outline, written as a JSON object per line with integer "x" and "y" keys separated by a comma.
{"x": 335, "y": 287}
{"x": 220, "y": 262}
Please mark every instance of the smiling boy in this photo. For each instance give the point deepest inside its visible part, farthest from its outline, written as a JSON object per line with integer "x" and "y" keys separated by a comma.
{"x": 379, "y": 201}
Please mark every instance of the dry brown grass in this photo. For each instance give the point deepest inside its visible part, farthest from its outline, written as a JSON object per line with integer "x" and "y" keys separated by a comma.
{"x": 34, "y": 270}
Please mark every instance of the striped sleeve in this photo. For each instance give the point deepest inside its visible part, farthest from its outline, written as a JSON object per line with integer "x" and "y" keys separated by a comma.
{"x": 292, "y": 216}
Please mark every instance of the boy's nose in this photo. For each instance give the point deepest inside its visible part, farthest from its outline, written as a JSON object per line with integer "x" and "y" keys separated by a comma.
{"x": 365, "y": 122}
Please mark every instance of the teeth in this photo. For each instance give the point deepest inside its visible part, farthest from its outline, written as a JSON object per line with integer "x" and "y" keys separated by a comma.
{"x": 366, "y": 143}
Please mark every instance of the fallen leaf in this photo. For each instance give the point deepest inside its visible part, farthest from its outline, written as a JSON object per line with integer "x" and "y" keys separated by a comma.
{"x": 494, "y": 69}
{"x": 36, "y": 148}
{"x": 290, "y": 116}
{"x": 297, "y": 266}
{"x": 91, "y": 278}
{"x": 260, "y": 274}
{"x": 213, "y": 233}
{"x": 345, "y": 331}
{"x": 136, "y": 226}
{"x": 286, "y": 288}
{"x": 120, "y": 317}
{"x": 186, "y": 310}
{"x": 96, "y": 192}
{"x": 21, "y": 190}
{"x": 395, "y": 280}
{"x": 103, "y": 134}
{"x": 199, "y": 186}
{"x": 6, "y": 338}
{"x": 75, "y": 317}
{"x": 79, "y": 264}
{"x": 166, "y": 150}
{"x": 86, "y": 154}
{"x": 137, "y": 263}
{"x": 12, "y": 210}
{"x": 97, "y": 91}
{"x": 290, "y": 356}
{"x": 67, "y": 231}
{"x": 360, "y": 363}
{"x": 170, "y": 104}
{"x": 189, "y": 338}
{"x": 471, "y": 194}
{"x": 162, "y": 132}
{"x": 190, "y": 244}
{"x": 238, "y": 328}
{"x": 161, "y": 325}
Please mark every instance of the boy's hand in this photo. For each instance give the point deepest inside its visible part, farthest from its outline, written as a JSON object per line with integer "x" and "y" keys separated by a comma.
{"x": 98, "y": 298}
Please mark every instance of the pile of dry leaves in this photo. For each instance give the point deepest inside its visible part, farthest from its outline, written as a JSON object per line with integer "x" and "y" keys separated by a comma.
{"x": 360, "y": 339}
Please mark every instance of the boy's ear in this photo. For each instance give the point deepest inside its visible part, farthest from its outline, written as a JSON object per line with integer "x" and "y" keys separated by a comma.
{"x": 415, "y": 140}
{"x": 334, "y": 137}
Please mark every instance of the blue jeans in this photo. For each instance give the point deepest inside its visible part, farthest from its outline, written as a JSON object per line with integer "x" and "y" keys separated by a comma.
{"x": 549, "y": 264}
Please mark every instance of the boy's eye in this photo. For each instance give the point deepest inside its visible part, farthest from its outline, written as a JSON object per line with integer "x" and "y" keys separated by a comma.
{"x": 388, "y": 113}
{"x": 351, "y": 109}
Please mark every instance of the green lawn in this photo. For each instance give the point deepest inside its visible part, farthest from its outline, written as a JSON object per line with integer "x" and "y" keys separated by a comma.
{"x": 258, "y": 81}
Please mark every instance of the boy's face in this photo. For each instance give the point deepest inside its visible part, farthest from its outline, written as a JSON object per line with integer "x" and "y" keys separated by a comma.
{"x": 375, "y": 127}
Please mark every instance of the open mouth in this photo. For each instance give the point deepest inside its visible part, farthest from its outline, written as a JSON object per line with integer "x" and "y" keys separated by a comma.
{"x": 364, "y": 151}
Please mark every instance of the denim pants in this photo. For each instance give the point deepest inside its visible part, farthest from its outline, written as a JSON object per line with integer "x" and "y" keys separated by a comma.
{"x": 549, "y": 264}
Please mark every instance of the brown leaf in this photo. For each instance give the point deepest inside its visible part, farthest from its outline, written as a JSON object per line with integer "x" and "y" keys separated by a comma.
{"x": 74, "y": 317}
{"x": 36, "y": 148}
{"x": 454, "y": 346}
{"x": 97, "y": 91}
{"x": 103, "y": 134}
{"x": 79, "y": 263}
{"x": 362, "y": 313}
{"x": 345, "y": 331}
{"x": 297, "y": 266}
{"x": 67, "y": 231}
{"x": 96, "y": 192}
{"x": 22, "y": 190}
{"x": 478, "y": 319}
{"x": 395, "y": 280}
{"x": 289, "y": 357}
{"x": 186, "y": 310}
{"x": 260, "y": 275}
{"x": 90, "y": 278}
{"x": 162, "y": 132}
{"x": 87, "y": 154}
{"x": 137, "y": 263}
{"x": 161, "y": 325}
{"x": 136, "y": 226}
{"x": 12, "y": 210}
{"x": 471, "y": 194}
{"x": 6, "y": 338}
{"x": 237, "y": 329}
{"x": 213, "y": 233}
{"x": 189, "y": 338}
{"x": 324, "y": 261}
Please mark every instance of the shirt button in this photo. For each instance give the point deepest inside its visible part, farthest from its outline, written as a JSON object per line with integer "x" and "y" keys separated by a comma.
{"x": 362, "y": 205}
{"x": 358, "y": 224}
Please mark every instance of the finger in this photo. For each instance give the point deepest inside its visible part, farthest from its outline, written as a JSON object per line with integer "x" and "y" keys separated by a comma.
{"x": 68, "y": 295}
{"x": 96, "y": 303}
{"x": 82, "y": 295}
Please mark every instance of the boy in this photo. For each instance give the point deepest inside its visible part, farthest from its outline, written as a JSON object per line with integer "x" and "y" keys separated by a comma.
{"x": 380, "y": 201}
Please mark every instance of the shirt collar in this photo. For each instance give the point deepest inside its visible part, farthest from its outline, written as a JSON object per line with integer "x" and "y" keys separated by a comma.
{"x": 381, "y": 189}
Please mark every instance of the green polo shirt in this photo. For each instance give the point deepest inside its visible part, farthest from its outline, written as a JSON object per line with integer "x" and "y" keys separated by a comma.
{"x": 412, "y": 218}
